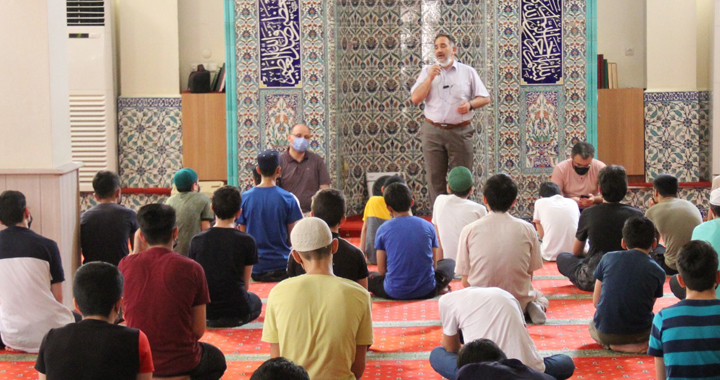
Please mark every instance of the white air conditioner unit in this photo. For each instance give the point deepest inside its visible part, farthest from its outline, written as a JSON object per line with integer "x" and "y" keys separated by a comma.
{"x": 93, "y": 114}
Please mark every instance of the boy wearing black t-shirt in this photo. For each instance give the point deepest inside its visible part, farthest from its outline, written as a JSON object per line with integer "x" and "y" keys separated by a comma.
{"x": 602, "y": 225}
{"x": 96, "y": 348}
{"x": 107, "y": 227}
{"x": 227, "y": 255}
{"x": 348, "y": 261}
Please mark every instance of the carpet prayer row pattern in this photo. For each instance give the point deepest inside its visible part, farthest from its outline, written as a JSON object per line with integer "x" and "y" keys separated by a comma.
{"x": 406, "y": 332}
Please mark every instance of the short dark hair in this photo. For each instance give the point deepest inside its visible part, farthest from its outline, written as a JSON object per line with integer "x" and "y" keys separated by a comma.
{"x": 398, "y": 196}
{"x": 97, "y": 287}
{"x": 267, "y": 172}
{"x": 393, "y": 179}
{"x": 715, "y": 209}
{"x": 500, "y": 191}
{"x": 316, "y": 254}
{"x": 329, "y": 205}
{"x": 226, "y": 202}
{"x": 638, "y": 232}
{"x": 666, "y": 185}
{"x": 12, "y": 207}
{"x": 612, "y": 181}
{"x": 105, "y": 183}
{"x": 549, "y": 189}
{"x": 449, "y": 37}
{"x": 157, "y": 222}
{"x": 378, "y": 185}
{"x": 257, "y": 178}
{"x": 478, "y": 351}
{"x": 585, "y": 150}
{"x": 697, "y": 263}
{"x": 279, "y": 369}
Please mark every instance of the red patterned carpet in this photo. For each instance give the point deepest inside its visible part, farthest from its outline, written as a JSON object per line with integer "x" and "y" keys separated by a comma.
{"x": 405, "y": 333}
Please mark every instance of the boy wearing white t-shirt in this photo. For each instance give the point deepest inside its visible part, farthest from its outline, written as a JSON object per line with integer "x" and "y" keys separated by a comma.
{"x": 452, "y": 212}
{"x": 494, "y": 314}
{"x": 556, "y": 219}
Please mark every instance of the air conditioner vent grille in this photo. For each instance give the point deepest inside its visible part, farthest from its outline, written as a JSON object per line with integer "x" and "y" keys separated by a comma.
{"x": 85, "y": 12}
{"x": 89, "y": 135}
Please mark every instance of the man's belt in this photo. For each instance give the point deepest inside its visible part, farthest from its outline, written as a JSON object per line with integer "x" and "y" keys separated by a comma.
{"x": 448, "y": 126}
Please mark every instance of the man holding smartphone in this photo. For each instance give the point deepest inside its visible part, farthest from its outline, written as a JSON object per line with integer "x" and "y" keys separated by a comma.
{"x": 451, "y": 91}
{"x": 578, "y": 176}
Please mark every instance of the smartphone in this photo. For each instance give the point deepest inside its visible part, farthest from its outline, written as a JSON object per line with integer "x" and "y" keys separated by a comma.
{"x": 585, "y": 196}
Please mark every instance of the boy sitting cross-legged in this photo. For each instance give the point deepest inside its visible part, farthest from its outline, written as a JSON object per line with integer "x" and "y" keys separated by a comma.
{"x": 502, "y": 250}
{"x": 269, "y": 214}
{"x": 410, "y": 264}
{"x": 348, "y": 261}
{"x": 227, "y": 256}
{"x": 96, "y": 348}
{"x": 626, "y": 286}
{"x": 317, "y": 320}
{"x": 684, "y": 339}
{"x": 375, "y": 214}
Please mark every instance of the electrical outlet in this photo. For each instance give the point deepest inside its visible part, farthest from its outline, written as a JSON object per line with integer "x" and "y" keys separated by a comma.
{"x": 629, "y": 51}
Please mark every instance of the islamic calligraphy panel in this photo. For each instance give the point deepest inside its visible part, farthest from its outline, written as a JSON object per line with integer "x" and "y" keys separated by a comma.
{"x": 542, "y": 45}
{"x": 279, "y": 23}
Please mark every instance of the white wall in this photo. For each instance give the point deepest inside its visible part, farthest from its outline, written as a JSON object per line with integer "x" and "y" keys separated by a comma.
{"x": 705, "y": 24}
{"x": 715, "y": 106}
{"x": 202, "y": 35}
{"x": 147, "y": 37}
{"x": 34, "y": 107}
{"x": 621, "y": 25}
{"x": 671, "y": 45}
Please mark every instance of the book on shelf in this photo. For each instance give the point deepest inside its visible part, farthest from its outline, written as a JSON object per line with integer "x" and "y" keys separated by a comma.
{"x": 606, "y": 82}
{"x": 613, "y": 75}
{"x": 600, "y": 71}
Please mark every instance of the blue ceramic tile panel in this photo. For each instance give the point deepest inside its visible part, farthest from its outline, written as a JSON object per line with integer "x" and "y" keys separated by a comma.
{"x": 279, "y": 43}
{"x": 542, "y": 45}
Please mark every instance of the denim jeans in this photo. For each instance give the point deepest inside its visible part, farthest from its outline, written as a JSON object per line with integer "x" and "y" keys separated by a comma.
{"x": 560, "y": 367}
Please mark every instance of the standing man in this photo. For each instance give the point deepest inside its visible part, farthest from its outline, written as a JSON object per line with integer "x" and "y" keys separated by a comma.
{"x": 578, "y": 175}
{"x": 303, "y": 172}
{"x": 451, "y": 91}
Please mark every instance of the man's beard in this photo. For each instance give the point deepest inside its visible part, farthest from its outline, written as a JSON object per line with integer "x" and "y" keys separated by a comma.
{"x": 444, "y": 62}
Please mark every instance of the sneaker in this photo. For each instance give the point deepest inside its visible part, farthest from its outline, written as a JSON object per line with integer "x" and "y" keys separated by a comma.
{"x": 536, "y": 313}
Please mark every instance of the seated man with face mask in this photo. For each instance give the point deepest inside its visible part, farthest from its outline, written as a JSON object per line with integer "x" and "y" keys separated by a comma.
{"x": 303, "y": 172}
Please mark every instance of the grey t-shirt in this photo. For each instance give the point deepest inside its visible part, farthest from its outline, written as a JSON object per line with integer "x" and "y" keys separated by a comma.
{"x": 675, "y": 219}
{"x": 303, "y": 178}
{"x": 191, "y": 208}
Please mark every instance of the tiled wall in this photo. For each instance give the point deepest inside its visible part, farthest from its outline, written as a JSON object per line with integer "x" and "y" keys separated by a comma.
{"x": 677, "y": 135}
{"x": 133, "y": 201}
{"x": 265, "y": 115}
{"x": 640, "y": 198}
{"x": 149, "y": 141}
{"x": 380, "y": 47}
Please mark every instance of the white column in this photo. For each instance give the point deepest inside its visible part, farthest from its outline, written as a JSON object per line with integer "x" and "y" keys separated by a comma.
{"x": 715, "y": 95}
{"x": 35, "y": 148}
{"x": 148, "y": 48}
{"x": 671, "y": 45}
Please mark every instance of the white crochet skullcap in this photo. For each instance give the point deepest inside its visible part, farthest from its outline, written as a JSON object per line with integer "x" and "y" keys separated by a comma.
{"x": 310, "y": 234}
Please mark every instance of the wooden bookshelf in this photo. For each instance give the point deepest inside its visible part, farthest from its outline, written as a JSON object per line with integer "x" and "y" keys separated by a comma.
{"x": 621, "y": 129}
{"x": 204, "y": 135}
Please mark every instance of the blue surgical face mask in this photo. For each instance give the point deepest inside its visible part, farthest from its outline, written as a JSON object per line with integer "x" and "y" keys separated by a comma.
{"x": 300, "y": 144}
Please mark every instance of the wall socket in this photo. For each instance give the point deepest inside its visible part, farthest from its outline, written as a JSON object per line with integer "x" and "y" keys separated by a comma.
{"x": 629, "y": 51}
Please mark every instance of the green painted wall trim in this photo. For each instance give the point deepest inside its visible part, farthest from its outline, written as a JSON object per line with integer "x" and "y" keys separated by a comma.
{"x": 592, "y": 85}
{"x": 231, "y": 94}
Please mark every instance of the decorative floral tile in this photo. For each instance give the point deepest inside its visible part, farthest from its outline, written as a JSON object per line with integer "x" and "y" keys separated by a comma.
{"x": 642, "y": 198}
{"x": 280, "y": 110}
{"x": 149, "y": 141}
{"x": 133, "y": 201}
{"x": 677, "y": 135}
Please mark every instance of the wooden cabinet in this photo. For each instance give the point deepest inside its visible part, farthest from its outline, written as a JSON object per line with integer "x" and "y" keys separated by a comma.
{"x": 204, "y": 135}
{"x": 621, "y": 129}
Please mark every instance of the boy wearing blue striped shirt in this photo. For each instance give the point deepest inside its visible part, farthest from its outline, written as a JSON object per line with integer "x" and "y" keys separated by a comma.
{"x": 685, "y": 338}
